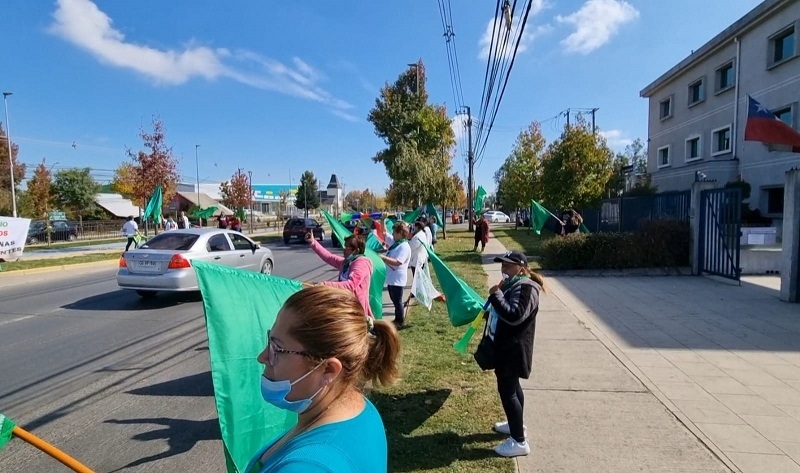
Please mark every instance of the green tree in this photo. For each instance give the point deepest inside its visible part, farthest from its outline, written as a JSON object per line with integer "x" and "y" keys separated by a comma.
{"x": 518, "y": 179}
{"x": 74, "y": 190}
{"x": 6, "y": 206}
{"x": 39, "y": 191}
{"x": 307, "y": 196}
{"x": 576, "y": 168}
{"x": 418, "y": 137}
{"x": 124, "y": 181}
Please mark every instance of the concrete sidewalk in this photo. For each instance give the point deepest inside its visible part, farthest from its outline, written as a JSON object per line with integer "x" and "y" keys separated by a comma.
{"x": 662, "y": 374}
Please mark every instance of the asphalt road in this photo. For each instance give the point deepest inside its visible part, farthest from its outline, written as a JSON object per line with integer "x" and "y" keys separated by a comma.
{"x": 119, "y": 383}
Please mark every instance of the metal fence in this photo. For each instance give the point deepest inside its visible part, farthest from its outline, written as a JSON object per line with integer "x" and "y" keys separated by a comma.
{"x": 625, "y": 214}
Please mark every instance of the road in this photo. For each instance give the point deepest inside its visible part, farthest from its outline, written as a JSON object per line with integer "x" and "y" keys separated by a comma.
{"x": 120, "y": 383}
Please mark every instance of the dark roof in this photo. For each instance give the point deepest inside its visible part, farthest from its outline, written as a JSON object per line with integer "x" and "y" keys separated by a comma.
{"x": 334, "y": 182}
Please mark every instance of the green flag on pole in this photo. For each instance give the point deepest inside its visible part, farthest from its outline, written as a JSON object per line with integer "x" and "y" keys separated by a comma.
{"x": 583, "y": 228}
{"x": 236, "y": 336}
{"x": 378, "y": 278}
{"x": 6, "y": 428}
{"x": 463, "y": 303}
{"x": 154, "y": 205}
{"x": 431, "y": 209}
{"x": 480, "y": 197}
{"x": 539, "y": 216}
{"x": 412, "y": 217}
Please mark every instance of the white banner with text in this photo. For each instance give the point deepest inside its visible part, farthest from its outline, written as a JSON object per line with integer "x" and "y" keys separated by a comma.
{"x": 13, "y": 234}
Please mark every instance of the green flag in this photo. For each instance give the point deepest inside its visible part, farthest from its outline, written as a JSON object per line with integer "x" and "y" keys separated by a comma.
{"x": 205, "y": 214}
{"x": 378, "y": 278}
{"x": 236, "y": 336}
{"x": 389, "y": 224}
{"x": 480, "y": 197}
{"x": 539, "y": 216}
{"x": 411, "y": 217}
{"x": 374, "y": 243}
{"x": 240, "y": 214}
{"x": 583, "y": 228}
{"x": 6, "y": 428}
{"x": 154, "y": 205}
{"x": 346, "y": 217}
{"x": 463, "y": 303}
{"x": 431, "y": 209}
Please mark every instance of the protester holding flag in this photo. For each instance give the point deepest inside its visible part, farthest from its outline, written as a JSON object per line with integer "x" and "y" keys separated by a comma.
{"x": 512, "y": 324}
{"x": 481, "y": 232}
{"x": 397, "y": 258}
{"x": 355, "y": 269}
{"x": 320, "y": 353}
{"x": 572, "y": 222}
{"x": 130, "y": 229}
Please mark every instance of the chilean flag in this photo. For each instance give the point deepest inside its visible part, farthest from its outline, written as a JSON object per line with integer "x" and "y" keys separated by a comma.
{"x": 762, "y": 125}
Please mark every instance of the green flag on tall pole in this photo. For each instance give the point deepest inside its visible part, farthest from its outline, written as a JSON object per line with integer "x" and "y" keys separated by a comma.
{"x": 154, "y": 205}
{"x": 411, "y": 217}
{"x": 539, "y": 216}
{"x": 480, "y": 197}
{"x": 236, "y": 336}
{"x": 463, "y": 302}
{"x": 378, "y": 278}
{"x": 431, "y": 209}
{"x": 6, "y": 428}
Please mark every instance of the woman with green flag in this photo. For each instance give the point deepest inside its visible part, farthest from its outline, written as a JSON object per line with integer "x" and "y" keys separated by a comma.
{"x": 397, "y": 258}
{"x": 355, "y": 269}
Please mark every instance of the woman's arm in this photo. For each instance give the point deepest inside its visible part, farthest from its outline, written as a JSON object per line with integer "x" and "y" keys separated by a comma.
{"x": 327, "y": 256}
{"x": 515, "y": 306}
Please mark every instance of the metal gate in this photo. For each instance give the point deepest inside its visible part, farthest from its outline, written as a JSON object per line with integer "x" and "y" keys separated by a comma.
{"x": 720, "y": 232}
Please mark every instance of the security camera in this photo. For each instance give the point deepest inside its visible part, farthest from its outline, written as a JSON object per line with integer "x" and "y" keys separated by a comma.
{"x": 701, "y": 176}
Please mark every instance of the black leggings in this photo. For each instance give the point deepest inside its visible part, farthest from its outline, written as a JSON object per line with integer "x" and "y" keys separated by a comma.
{"x": 131, "y": 241}
{"x": 513, "y": 400}
{"x": 396, "y": 295}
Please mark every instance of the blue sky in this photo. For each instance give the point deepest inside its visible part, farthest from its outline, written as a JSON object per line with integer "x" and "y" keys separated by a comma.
{"x": 279, "y": 87}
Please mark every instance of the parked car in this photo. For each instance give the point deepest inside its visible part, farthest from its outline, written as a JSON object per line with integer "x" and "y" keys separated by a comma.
{"x": 296, "y": 229}
{"x": 495, "y": 216}
{"x": 62, "y": 230}
{"x": 164, "y": 263}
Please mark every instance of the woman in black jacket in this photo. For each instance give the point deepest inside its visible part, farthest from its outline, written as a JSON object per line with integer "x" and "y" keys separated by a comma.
{"x": 512, "y": 324}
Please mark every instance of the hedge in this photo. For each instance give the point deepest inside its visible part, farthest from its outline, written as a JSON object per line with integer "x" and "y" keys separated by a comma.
{"x": 656, "y": 244}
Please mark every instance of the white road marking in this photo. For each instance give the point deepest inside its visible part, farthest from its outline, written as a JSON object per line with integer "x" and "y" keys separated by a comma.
{"x": 17, "y": 319}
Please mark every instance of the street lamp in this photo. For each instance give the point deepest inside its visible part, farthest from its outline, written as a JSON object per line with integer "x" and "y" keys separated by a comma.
{"x": 10, "y": 158}
{"x": 250, "y": 174}
{"x": 197, "y": 170}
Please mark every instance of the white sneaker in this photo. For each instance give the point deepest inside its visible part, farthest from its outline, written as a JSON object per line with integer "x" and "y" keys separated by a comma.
{"x": 512, "y": 448}
{"x": 502, "y": 428}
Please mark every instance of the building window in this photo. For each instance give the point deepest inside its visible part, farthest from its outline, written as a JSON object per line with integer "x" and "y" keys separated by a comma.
{"x": 665, "y": 108}
{"x": 782, "y": 46}
{"x": 725, "y": 77}
{"x": 785, "y": 115}
{"x": 693, "y": 148}
{"x": 774, "y": 200}
{"x": 721, "y": 141}
{"x": 696, "y": 92}
{"x": 663, "y": 157}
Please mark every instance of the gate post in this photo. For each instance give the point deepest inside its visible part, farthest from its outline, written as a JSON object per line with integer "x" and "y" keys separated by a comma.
{"x": 694, "y": 222}
{"x": 790, "y": 267}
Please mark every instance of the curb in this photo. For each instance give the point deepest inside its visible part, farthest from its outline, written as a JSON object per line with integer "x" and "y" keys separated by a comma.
{"x": 60, "y": 267}
{"x": 618, "y": 273}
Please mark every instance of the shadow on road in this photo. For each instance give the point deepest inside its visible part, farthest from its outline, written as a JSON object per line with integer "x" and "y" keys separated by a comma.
{"x": 199, "y": 384}
{"x": 181, "y": 435}
{"x": 123, "y": 300}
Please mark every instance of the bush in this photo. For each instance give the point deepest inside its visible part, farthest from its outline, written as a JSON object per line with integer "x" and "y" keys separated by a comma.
{"x": 657, "y": 243}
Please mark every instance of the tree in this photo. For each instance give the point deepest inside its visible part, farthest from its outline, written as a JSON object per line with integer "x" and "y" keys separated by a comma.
{"x": 307, "y": 196}
{"x": 74, "y": 190}
{"x": 6, "y": 206}
{"x": 154, "y": 166}
{"x": 518, "y": 179}
{"x": 352, "y": 199}
{"x": 38, "y": 192}
{"x": 576, "y": 168}
{"x": 418, "y": 137}
{"x": 455, "y": 196}
{"x": 283, "y": 195}
{"x": 124, "y": 181}
{"x": 236, "y": 193}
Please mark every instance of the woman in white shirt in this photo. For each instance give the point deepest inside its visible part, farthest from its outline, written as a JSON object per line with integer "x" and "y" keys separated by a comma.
{"x": 397, "y": 259}
{"x": 419, "y": 253}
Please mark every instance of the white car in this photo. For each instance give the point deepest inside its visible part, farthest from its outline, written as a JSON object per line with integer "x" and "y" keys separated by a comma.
{"x": 496, "y": 216}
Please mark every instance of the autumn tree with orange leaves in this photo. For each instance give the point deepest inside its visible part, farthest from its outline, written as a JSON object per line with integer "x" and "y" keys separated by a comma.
{"x": 236, "y": 193}
{"x": 138, "y": 178}
{"x": 39, "y": 190}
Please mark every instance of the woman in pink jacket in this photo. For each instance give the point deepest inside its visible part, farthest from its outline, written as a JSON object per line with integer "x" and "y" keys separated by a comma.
{"x": 355, "y": 269}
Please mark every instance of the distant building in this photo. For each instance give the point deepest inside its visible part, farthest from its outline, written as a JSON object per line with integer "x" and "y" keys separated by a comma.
{"x": 698, "y": 109}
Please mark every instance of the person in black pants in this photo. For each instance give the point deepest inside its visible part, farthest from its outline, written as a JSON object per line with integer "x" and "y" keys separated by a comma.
{"x": 397, "y": 258}
{"x": 512, "y": 325}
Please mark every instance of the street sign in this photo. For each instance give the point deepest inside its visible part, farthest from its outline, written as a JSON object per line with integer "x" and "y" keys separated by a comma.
{"x": 58, "y": 216}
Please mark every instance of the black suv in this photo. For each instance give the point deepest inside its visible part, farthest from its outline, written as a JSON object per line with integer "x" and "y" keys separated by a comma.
{"x": 296, "y": 229}
{"x": 63, "y": 230}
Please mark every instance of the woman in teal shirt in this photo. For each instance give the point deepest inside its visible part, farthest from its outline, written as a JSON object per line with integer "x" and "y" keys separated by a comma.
{"x": 320, "y": 353}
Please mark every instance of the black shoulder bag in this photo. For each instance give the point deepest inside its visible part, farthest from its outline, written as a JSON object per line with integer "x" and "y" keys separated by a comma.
{"x": 485, "y": 354}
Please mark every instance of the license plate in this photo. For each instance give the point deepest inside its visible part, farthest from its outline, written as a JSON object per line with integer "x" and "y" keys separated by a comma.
{"x": 147, "y": 265}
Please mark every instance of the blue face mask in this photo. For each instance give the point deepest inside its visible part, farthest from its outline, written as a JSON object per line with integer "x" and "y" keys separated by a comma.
{"x": 275, "y": 392}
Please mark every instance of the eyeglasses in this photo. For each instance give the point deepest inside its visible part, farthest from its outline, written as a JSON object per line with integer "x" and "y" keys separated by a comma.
{"x": 273, "y": 351}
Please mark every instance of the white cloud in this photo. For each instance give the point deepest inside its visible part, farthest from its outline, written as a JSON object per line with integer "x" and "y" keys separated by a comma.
{"x": 345, "y": 116}
{"x": 616, "y": 139}
{"x": 459, "y": 126}
{"x": 500, "y": 32}
{"x": 83, "y": 24}
{"x": 595, "y": 23}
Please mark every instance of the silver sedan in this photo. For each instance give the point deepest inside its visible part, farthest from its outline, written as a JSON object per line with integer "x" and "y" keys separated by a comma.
{"x": 163, "y": 263}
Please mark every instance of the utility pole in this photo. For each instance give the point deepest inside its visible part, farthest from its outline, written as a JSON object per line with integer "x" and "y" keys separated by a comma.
{"x": 197, "y": 175}
{"x": 10, "y": 159}
{"x": 471, "y": 162}
{"x": 594, "y": 127}
{"x": 304, "y": 182}
{"x": 568, "y": 117}
{"x": 250, "y": 174}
